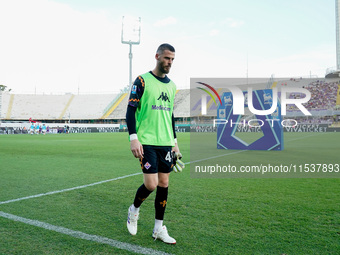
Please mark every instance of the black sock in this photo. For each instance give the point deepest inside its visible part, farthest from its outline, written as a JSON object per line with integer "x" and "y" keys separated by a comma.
{"x": 141, "y": 194}
{"x": 160, "y": 202}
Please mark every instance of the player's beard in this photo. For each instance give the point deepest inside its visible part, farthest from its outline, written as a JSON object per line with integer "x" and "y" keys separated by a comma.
{"x": 165, "y": 69}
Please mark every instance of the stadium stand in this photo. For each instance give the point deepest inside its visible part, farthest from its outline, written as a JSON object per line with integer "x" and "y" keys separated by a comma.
{"x": 120, "y": 110}
{"x": 88, "y": 106}
{"x": 4, "y": 104}
{"x": 36, "y": 106}
{"x": 105, "y": 107}
{"x": 53, "y": 107}
{"x": 323, "y": 95}
{"x": 113, "y": 104}
{"x": 182, "y": 103}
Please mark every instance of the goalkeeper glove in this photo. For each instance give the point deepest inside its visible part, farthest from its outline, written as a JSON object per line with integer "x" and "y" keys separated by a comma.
{"x": 178, "y": 164}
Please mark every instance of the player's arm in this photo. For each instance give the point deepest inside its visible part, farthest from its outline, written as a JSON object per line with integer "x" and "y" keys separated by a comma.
{"x": 135, "y": 145}
{"x": 176, "y": 154}
{"x": 175, "y": 148}
{"x": 135, "y": 96}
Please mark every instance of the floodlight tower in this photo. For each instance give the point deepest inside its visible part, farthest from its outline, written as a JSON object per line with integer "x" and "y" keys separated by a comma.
{"x": 337, "y": 14}
{"x": 131, "y": 35}
{"x": 334, "y": 72}
{"x": 0, "y": 104}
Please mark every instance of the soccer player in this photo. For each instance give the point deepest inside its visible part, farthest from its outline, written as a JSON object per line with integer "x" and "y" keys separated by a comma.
{"x": 32, "y": 128}
{"x": 37, "y": 127}
{"x": 43, "y": 129}
{"x": 151, "y": 126}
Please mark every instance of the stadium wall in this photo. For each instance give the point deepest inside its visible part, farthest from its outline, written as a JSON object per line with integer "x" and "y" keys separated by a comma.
{"x": 23, "y": 128}
{"x": 55, "y": 128}
{"x": 301, "y": 128}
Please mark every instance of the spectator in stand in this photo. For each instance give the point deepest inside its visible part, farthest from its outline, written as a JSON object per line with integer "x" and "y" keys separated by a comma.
{"x": 323, "y": 96}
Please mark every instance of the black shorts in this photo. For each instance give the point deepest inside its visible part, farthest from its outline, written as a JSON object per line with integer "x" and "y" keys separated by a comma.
{"x": 156, "y": 159}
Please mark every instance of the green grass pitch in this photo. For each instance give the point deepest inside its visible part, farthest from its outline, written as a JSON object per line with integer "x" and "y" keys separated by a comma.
{"x": 205, "y": 215}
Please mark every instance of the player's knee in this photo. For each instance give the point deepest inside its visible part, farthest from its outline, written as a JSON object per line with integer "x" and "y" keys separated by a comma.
{"x": 163, "y": 180}
{"x": 163, "y": 183}
{"x": 151, "y": 186}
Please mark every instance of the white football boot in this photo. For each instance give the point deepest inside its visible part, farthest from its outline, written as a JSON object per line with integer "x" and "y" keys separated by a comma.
{"x": 162, "y": 234}
{"x": 132, "y": 222}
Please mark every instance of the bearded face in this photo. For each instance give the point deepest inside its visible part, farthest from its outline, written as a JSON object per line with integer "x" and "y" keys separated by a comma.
{"x": 164, "y": 61}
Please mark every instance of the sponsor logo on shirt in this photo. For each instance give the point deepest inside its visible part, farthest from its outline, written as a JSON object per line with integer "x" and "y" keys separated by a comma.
{"x": 160, "y": 108}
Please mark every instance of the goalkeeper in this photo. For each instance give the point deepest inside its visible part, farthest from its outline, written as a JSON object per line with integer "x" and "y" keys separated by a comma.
{"x": 151, "y": 126}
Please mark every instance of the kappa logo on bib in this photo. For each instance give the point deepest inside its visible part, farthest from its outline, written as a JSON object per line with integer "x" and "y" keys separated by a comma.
{"x": 164, "y": 96}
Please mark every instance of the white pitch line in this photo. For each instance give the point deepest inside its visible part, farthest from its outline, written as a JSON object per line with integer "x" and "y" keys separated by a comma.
{"x": 302, "y": 137}
{"x": 218, "y": 156}
{"x": 69, "y": 189}
{"x": 84, "y": 236}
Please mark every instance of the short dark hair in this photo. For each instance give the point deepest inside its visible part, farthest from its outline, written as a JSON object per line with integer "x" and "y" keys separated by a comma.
{"x": 165, "y": 46}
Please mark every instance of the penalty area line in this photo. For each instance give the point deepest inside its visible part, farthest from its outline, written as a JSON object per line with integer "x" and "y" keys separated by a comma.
{"x": 82, "y": 235}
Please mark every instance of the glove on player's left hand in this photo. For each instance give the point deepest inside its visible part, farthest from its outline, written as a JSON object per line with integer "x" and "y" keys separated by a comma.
{"x": 178, "y": 164}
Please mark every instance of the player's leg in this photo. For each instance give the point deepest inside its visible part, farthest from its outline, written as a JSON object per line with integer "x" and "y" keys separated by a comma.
{"x": 161, "y": 199}
{"x": 148, "y": 186}
{"x": 165, "y": 167}
{"x": 142, "y": 193}
{"x": 149, "y": 168}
